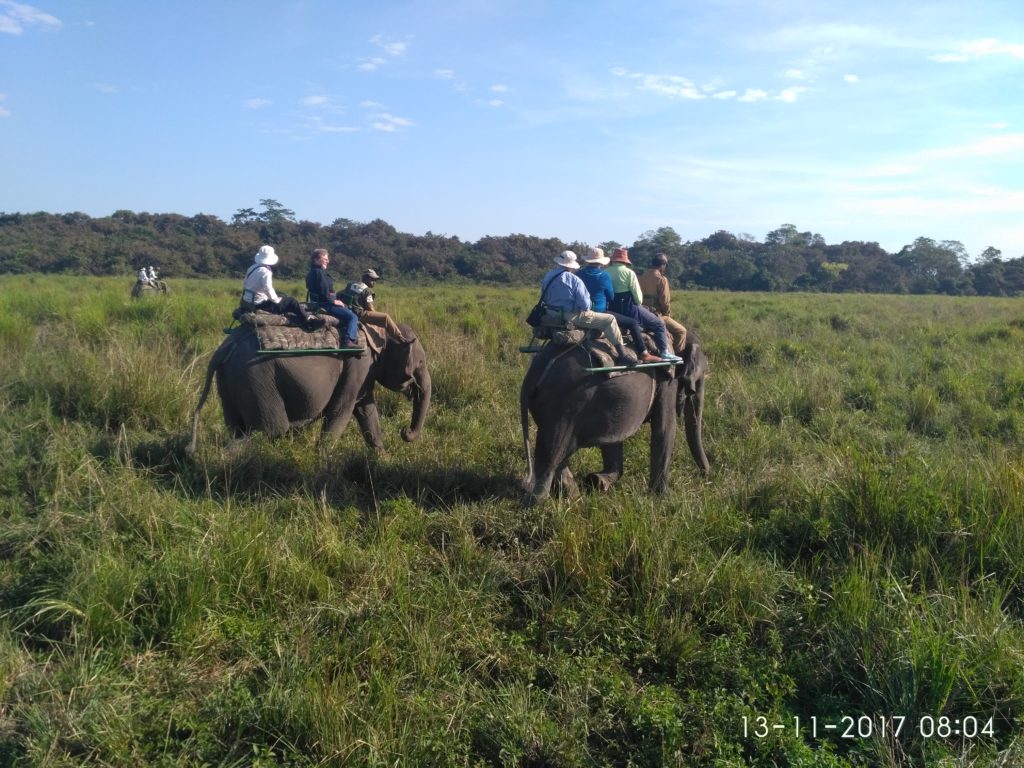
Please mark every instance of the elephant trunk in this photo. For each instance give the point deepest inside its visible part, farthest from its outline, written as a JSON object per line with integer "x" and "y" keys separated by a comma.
{"x": 420, "y": 395}
{"x": 693, "y": 412}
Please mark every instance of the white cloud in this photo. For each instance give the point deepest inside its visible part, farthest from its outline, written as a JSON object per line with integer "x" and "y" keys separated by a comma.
{"x": 789, "y": 95}
{"x": 851, "y": 78}
{"x": 370, "y": 104}
{"x": 754, "y": 94}
{"x": 492, "y": 103}
{"x": 444, "y": 74}
{"x": 316, "y": 101}
{"x": 1003, "y": 144}
{"x": 392, "y": 48}
{"x": 976, "y": 49}
{"x": 320, "y": 126}
{"x": 369, "y": 65}
{"x": 673, "y": 86}
{"x": 14, "y": 17}
{"x": 256, "y": 103}
{"x": 499, "y": 88}
{"x": 724, "y": 95}
{"x": 796, "y": 74}
{"x": 389, "y": 123}
{"x": 3, "y": 111}
{"x": 106, "y": 87}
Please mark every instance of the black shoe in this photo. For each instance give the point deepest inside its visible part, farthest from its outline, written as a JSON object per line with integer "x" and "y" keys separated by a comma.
{"x": 627, "y": 359}
{"x": 313, "y": 322}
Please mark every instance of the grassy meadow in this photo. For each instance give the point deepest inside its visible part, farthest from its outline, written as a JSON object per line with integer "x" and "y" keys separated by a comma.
{"x": 854, "y": 559}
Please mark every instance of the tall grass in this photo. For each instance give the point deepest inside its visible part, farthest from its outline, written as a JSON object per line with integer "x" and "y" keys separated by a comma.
{"x": 856, "y": 550}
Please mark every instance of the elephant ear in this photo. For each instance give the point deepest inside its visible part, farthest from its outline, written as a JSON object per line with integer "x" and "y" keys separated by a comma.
{"x": 375, "y": 338}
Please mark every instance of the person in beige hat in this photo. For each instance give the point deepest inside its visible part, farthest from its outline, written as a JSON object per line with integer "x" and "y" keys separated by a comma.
{"x": 658, "y": 299}
{"x": 629, "y": 301}
{"x": 562, "y": 289}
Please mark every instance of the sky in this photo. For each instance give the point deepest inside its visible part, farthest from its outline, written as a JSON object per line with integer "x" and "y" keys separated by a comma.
{"x": 586, "y": 120}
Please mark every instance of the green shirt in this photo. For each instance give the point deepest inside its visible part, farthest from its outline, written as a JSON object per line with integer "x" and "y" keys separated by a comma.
{"x": 624, "y": 281}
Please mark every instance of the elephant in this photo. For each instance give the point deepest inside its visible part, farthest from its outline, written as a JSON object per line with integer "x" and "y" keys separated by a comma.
{"x": 575, "y": 408}
{"x": 159, "y": 286}
{"x": 273, "y": 394}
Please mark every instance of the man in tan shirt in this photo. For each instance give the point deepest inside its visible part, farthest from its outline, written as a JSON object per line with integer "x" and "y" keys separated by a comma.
{"x": 658, "y": 299}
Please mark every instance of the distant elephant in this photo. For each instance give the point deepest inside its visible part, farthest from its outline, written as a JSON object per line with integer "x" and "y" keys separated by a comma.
{"x": 274, "y": 394}
{"x": 159, "y": 286}
{"x": 574, "y": 408}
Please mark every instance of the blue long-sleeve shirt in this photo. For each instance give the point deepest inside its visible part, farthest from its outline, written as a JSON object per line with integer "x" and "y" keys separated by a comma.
{"x": 565, "y": 291}
{"x": 599, "y": 286}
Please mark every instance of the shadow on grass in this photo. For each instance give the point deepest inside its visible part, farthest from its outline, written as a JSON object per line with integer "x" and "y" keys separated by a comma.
{"x": 258, "y": 469}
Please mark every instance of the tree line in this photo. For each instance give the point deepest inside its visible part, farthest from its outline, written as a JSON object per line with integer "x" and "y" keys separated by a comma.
{"x": 206, "y": 246}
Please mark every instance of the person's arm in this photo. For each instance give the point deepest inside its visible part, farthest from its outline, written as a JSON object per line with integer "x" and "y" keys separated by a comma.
{"x": 664, "y": 297}
{"x": 606, "y": 285}
{"x": 580, "y": 295}
{"x": 634, "y": 287}
{"x": 267, "y": 284}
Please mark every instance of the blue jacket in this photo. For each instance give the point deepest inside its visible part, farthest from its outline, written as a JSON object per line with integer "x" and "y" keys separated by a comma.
{"x": 599, "y": 286}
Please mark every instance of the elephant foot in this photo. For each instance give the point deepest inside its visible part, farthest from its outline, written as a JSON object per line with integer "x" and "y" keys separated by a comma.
{"x": 601, "y": 482}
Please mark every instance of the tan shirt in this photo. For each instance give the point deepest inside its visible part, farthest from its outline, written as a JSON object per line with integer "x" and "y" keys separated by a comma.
{"x": 657, "y": 295}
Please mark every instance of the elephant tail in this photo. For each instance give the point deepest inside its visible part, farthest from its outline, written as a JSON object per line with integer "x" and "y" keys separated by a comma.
{"x": 524, "y": 420}
{"x": 216, "y": 360}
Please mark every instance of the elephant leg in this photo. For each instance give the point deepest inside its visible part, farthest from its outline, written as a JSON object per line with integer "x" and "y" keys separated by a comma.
{"x": 555, "y": 444}
{"x": 352, "y": 389}
{"x": 663, "y": 433}
{"x": 611, "y": 471}
{"x": 369, "y": 422}
{"x": 566, "y": 483}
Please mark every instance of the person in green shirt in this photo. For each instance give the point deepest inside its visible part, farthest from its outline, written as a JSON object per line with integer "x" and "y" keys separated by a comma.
{"x": 629, "y": 301}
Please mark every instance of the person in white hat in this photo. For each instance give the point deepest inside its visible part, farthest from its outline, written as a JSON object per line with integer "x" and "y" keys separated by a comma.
{"x": 258, "y": 290}
{"x": 563, "y": 290}
{"x": 358, "y": 295}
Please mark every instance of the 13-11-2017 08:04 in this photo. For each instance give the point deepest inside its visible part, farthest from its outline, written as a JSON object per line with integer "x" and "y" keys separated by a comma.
{"x": 866, "y": 726}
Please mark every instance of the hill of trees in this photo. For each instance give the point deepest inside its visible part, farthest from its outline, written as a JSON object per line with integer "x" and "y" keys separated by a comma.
{"x": 204, "y": 245}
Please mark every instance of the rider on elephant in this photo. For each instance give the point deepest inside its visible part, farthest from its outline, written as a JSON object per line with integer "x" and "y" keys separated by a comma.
{"x": 142, "y": 276}
{"x": 629, "y": 301}
{"x": 599, "y": 286}
{"x": 658, "y": 299}
{"x": 562, "y": 289}
{"x": 358, "y": 296}
{"x": 320, "y": 288}
{"x": 258, "y": 290}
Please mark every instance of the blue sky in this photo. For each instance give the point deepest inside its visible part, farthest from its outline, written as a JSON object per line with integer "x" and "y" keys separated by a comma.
{"x": 589, "y": 121}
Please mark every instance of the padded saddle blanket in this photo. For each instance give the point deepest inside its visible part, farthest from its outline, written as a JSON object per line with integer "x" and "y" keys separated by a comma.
{"x": 281, "y": 332}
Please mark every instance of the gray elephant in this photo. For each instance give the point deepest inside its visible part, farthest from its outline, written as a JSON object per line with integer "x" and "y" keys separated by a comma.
{"x": 575, "y": 408}
{"x": 274, "y": 394}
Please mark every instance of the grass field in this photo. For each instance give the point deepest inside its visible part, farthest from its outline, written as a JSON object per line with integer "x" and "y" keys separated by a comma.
{"x": 854, "y": 559}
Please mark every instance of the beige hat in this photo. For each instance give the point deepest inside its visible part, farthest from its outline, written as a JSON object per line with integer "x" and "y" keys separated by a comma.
{"x": 567, "y": 259}
{"x": 266, "y": 256}
{"x": 596, "y": 256}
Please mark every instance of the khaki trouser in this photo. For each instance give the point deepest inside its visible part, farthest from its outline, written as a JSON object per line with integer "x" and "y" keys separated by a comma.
{"x": 601, "y": 321}
{"x": 384, "y": 320}
{"x": 677, "y": 331}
